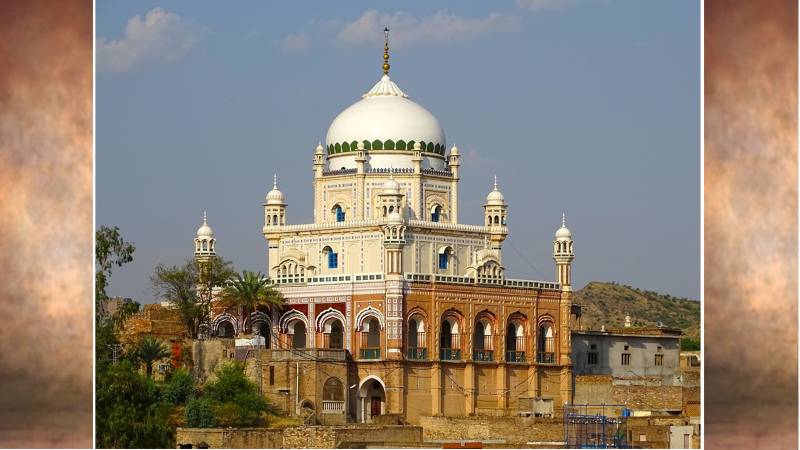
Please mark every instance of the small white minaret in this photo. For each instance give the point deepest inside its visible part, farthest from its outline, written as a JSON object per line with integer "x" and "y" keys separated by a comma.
{"x": 204, "y": 247}
{"x": 274, "y": 206}
{"x": 563, "y": 255}
{"x": 319, "y": 160}
{"x": 454, "y": 163}
{"x": 627, "y": 320}
{"x": 390, "y": 199}
{"x": 495, "y": 211}
{"x": 204, "y": 242}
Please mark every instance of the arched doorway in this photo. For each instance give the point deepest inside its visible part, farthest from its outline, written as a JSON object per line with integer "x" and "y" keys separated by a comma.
{"x": 371, "y": 399}
{"x": 333, "y": 396}
{"x": 333, "y": 334}
{"x": 225, "y": 329}
{"x": 298, "y": 332}
{"x": 265, "y": 331}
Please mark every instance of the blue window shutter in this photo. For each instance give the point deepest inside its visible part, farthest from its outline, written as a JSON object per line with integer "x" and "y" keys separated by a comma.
{"x": 339, "y": 214}
{"x": 333, "y": 260}
{"x": 435, "y": 216}
{"x": 443, "y": 260}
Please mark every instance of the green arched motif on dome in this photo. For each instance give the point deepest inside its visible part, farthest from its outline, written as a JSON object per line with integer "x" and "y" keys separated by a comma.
{"x": 389, "y": 144}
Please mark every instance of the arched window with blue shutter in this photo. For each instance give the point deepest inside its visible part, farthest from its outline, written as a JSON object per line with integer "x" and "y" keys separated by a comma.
{"x": 339, "y": 213}
{"x": 333, "y": 257}
{"x": 443, "y": 260}
{"x": 435, "y": 213}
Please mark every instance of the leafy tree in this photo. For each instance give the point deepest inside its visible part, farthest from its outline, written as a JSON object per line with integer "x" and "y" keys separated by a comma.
{"x": 149, "y": 350}
{"x": 128, "y": 411}
{"x": 199, "y": 413}
{"x": 250, "y": 290}
{"x": 191, "y": 288}
{"x": 126, "y": 309}
{"x": 231, "y": 399}
{"x": 178, "y": 387}
{"x": 110, "y": 249}
{"x": 690, "y": 344}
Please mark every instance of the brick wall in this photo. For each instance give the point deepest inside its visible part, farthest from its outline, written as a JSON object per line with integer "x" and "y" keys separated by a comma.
{"x": 302, "y": 437}
{"x": 512, "y": 430}
{"x": 648, "y": 398}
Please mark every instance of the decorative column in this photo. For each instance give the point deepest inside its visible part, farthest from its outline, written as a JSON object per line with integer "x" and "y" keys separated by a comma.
{"x": 417, "y": 203}
{"x": 360, "y": 202}
{"x": 454, "y": 164}
{"x": 319, "y": 164}
{"x": 563, "y": 256}
{"x": 393, "y": 242}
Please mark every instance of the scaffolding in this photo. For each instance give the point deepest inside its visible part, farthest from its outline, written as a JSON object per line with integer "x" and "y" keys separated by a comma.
{"x": 595, "y": 426}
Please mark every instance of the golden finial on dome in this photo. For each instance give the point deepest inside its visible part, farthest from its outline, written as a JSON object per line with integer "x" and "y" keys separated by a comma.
{"x": 386, "y": 51}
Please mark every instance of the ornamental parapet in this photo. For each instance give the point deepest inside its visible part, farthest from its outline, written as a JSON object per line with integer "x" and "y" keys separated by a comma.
{"x": 456, "y": 227}
{"x": 503, "y": 282}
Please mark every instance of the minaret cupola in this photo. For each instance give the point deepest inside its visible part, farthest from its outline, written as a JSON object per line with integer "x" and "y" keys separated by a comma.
{"x": 495, "y": 213}
{"x": 204, "y": 242}
{"x": 562, "y": 253}
{"x": 390, "y": 198}
{"x": 275, "y": 206}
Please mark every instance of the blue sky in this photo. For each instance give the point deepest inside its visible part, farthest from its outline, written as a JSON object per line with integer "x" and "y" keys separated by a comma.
{"x": 588, "y": 107}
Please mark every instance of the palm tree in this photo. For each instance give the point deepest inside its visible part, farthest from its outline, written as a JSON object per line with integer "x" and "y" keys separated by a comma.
{"x": 149, "y": 350}
{"x": 249, "y": 291}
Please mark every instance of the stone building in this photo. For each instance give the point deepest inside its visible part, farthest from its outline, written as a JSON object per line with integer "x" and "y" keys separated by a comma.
{"x": 394, "y": 307}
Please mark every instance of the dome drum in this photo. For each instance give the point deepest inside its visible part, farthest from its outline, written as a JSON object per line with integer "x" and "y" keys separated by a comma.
{"x": 387, "y": 145}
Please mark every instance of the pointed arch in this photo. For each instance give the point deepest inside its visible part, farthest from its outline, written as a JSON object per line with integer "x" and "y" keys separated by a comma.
{"x": 289, "y": 316}
{"x": 225, "y": 317}
{"x": 369, "y": 311}
{"x": 326, "y": 315}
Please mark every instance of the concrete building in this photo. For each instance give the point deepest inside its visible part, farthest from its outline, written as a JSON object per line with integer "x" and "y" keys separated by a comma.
{"x": 628, "y": 353}
{"x": 394, "y": 307}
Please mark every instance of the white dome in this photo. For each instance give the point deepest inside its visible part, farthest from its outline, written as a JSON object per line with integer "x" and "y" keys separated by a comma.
{"x": 275, "y": 196}
{"x": 563, "y": 233}
{"x": 394, "y": 218}
{"x": 205, "y": 231}
{"x": 385, "y": 113}
{"x": 495, "y": 197}
{"x": 391, "y": 186}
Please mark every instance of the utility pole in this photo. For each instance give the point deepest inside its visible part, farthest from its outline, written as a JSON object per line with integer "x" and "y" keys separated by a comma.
{"x": 259, "y": 374}
{"x": 114, "y": 351}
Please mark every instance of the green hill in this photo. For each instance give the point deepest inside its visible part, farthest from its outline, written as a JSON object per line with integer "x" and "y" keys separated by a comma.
{"x": 607, "y": 303}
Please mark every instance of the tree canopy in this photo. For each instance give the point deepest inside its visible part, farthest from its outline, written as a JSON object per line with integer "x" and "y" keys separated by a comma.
{"x": 190, "y": 289}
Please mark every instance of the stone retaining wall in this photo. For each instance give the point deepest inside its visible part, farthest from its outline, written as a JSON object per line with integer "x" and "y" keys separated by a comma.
{"x": 303, "y": 437}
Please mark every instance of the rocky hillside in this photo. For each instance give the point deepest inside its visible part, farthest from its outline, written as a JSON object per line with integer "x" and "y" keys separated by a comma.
{"x": 607, "y": 303}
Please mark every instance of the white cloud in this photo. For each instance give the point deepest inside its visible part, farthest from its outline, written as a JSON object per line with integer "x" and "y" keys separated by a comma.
{"x": 473, "y": 160}
{"x": 441, "y": 27}
{"x": 161, "y": 36}
{"x": 543, "y": 5}
{"x": 295, "y": 42}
